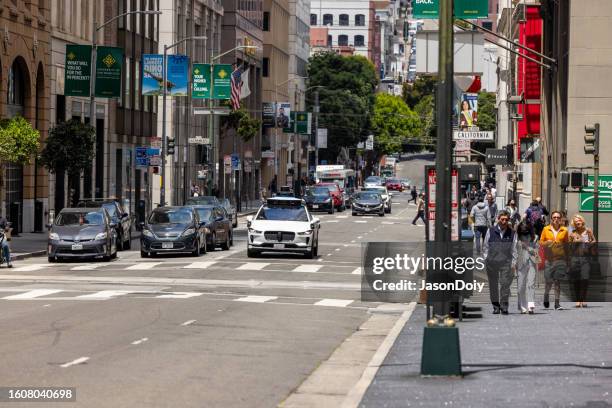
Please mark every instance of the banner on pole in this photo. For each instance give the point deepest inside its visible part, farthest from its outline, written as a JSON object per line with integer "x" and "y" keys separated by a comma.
{"x": 77, "y": 73}
{"x": 177, "y": 75}
{"x": 109, "y": 62}
{"x": 200, "y": 75}
{"x": 222, "y": 85}
{"x": 152, "y": 74}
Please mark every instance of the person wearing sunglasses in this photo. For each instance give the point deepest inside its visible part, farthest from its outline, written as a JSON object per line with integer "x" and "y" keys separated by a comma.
{"x": 554, "y": 239}
{"x": 497, "y": 252}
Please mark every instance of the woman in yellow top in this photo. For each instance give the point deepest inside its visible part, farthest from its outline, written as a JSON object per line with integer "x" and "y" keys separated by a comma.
{"x": 554, "y": 239}
{"x": 582, "y": 245}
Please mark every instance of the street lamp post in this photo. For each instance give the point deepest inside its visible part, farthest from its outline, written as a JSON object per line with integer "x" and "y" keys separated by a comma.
{"x": 162, "y": 195}
{"x": 94, "y": 53}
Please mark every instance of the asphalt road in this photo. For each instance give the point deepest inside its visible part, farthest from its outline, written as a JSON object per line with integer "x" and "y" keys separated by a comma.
{"x": 221, "y": 330}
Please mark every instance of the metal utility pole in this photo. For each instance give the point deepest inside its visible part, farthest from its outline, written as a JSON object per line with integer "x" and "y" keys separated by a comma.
{"x": 316, "y": 126}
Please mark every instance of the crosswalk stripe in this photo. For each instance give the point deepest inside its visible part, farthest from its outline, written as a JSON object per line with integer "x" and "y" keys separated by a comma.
{"x": 361, "y": 221}
{"x": 387, "y": 223}
{"x": 179, "y": 295}
{"x": 104, "y": 294}
{"x": 307, "y": 268}
{"x": 256, "y": 299}
{"x": 334, "y": 302}
{"x": 253, "y": 266}
{"x": 143, "y": 266}
{"x": 89, "y": 267}
{"x": 30, "y": 268}
{"x": 357, "y": 271}
{"x": 341, "y": 216}
{"x": 328, "y": 221}
{"x": 200, "y": 265}
{"x": 32, "y": 294}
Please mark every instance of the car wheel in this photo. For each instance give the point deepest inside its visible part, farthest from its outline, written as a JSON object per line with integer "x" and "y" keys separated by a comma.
{"x": 354, "y": 213}
{"x": 235, "y": 223}
{"x": 213, "y": 241}
{"x": 51, "y": 259}
{"x": 196, "y": 251}
{"x": 226, "y": 245}
{"x": 232, "y": 238}
{"x": 252, "y": 253}
{"x": 382, "y": 214}
{"x": 316, "y": 249}
{"x": 331, "y": 209}
{"x": 128, "y": 244}
{"x": 143, "y": 254}
{"x": 114, "y": 255}
{"x": 119, "y": 243}
{"x": 309, "y": 254}
{"x": 205, "y": 247}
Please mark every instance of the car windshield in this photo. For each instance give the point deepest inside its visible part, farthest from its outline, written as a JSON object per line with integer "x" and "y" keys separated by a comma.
{"x": 393, "y": 181}
{"x": 168, "y": 216}
{"x": 340, "y": 182}
{"x": 318, "y": 191}
{"x": 282, "y": 214}
{"x": 381, "y": 190}
{"x": 203, "y": 200}
{"x": 79, "y": 218}
{"x": 367, "y": 196}
{"x": 204, "y": 213}
{"x": 331, "y": 187}
{"x": 372, "y": 179}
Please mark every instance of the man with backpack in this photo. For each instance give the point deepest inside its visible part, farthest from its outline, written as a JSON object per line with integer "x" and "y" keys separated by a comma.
{"x": 480, "y": 217}
{"x": 536, "y": 217}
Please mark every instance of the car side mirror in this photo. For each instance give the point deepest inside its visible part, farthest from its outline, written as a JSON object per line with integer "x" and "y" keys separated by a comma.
{"x": 315, "y": 220}
{"x": 249, "y": 218}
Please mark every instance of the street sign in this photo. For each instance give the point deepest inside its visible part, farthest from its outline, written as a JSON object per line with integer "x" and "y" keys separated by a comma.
{"x": 268, "y": 115}
{"x": 267, "y": 154}
{"x": 247, "y": 166}
{"x": 479, "y": 136}
{"x": 322, "y": 138}
{"x": 463, "y": 146}
{"x": 142, "y": 160}
{"x": 222, "y": 86}
{"x": 530, "y": 149}
{"x": 496, "y": 157}
{"x": 152, "y": 74}
{"x": 468, "y": 9}
{"x": 235, "y": 161}
{"x": 369, "y": 145}
{"x": 109, "y": 62}
{"x": 605, "y": 194}
{"x": 155, "y": 161}
{"x": 77, "y": 72}
{"x": 227, "y": 164}
{"x": 200, "y": 75}
{"x": 152, "y": 151}
{"x": 303, "y": 126}
{"x": 207, "y": 111}
{"x": 199, "y": 140}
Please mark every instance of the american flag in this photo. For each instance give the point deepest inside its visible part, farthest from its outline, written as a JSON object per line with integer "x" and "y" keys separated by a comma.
{"x": 236, "y": 88}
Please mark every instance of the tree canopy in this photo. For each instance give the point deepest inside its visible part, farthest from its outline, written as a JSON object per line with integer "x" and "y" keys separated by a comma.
{"x": 393, "y": 123}
{"x": 70, "y": 148}
{"x": 18, "y": 140}
{"x": 487, "y": 115}
{"x": 422, "y": 87}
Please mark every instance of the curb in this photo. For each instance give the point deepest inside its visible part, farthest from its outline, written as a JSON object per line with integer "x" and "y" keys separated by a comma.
{"x": 28, "y": 255}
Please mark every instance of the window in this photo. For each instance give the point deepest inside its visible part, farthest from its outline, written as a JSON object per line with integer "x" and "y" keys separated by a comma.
{"x": 313, "y": 19}
{"x": 328, "y": 19}
{"x": 359, "y": 42}
{"x": 265, "y": 67}
{"x": 137, "y": 85}
{"x": 343, "y": 39}
{"x": 266, "y": 21}
{"x": 343, "y": 20}
{"x": 126, "y": 88}
{"x": 359, "y": 20}
{"x": 329, "y": 40}
{"x": 488, "y": 25}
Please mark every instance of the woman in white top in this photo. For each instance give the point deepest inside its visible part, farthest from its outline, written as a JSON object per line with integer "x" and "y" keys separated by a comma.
{"x": 582, "y": 244}
{"x": 524, "y": 263}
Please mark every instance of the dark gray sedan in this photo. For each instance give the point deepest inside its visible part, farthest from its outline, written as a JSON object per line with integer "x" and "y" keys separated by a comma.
{"x": 173, "y": 229}
{"x": 82, "y": 233}
{"x": 368, "y": 202}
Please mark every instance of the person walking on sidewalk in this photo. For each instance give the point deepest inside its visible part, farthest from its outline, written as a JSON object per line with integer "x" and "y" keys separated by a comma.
{"x": 420, "y": 210}
{"x": 554, "y": 239}
{"x": 492, "y": 207}
{"x": 535, "y": 216}
{"x": 524, "y": 262}
{"x": 413, "y": 194}
{"x": 582, "y": 244}
{"x": 480, "y": 217}
{"x": 512, "y": 209}
{"x": 6, "y": 250}
{"x": 497, "y": 252}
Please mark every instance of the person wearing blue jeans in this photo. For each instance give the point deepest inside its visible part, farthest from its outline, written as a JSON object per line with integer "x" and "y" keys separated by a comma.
{"x": 6, "y": 251}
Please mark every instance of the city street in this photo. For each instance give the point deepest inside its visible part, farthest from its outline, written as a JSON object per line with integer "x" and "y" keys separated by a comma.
{"x": 218, "y": 330}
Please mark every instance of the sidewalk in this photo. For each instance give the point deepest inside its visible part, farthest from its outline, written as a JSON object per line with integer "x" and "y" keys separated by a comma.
{"x": 550, "y": 359}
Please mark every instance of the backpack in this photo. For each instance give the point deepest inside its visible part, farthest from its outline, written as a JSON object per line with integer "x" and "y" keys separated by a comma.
{"x": 535, "y": 215}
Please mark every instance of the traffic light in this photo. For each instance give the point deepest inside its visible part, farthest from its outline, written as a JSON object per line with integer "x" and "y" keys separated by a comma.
{"x": 170, "y": 147}
{"x": 591, "y": 139}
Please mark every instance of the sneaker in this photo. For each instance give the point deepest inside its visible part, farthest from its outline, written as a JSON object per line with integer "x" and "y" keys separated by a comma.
{"x": 10, "y": 265}
{"x": 531, "y": 311}
{"x": 558, "y": 306}
{"x": 504, "y": 311}
{"x": 496, "y": 309}
{"x": 546, "y": 302}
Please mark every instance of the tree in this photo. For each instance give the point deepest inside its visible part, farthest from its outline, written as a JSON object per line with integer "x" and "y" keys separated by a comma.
{"x": 246, "y": 126}
{"x": 70, "y": 149}
{"x": 422, "y": 87}
{"x": 393, "y": 123}
{"x": 487, "y": 112}
{"x": 425, "y": 110}
{"x": 18, "y": 142}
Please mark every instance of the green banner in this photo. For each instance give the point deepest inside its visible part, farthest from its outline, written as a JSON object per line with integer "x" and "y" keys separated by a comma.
{"x": 605, "y": 194}
{"x": 303, "y": 126}
{"x": 200, "y": 76}
{"x": 109, "y": 61}
{"x": 222, "y": 84}
{"x": 468, "y": 9}
{"x": 77, "y": 72}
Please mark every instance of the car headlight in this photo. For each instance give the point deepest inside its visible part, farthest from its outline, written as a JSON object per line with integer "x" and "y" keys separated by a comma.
{"x": 101, "y": 236}
{"x": 254, "y": 231}
{"x": 54, "y": 236}
{"x": 328, "y": 200}
{"x": 307, "y": 232}
{"x": 189, "y": 231}
{"x": 385, "y": 197}
{"x": 147, "y": 233}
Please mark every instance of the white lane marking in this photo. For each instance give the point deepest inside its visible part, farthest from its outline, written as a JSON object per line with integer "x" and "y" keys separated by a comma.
{"x": 89, "y": 267}
{"x": 327, "y": 222}
{"x": 253, "y": 266}
{"x": 79, "y": 360}
{"x": 387, "y": 223}
{"x": 143, "y": 266}
{"x": 352, "y": 241}
{"x": 32, "y": 294}
{"x": 179, "y": 295}
{"x": 308, "y": 268}
{"x": 188, "y": 322}
{"x": 329, "y": 255}
{"x": 361, "y": 221}
{"x": 256, "y": 299}
{"x": 30, "y": 268}
{"x": 104, "y": 294}
{"x": 337, "y": 249}
{"x": 342, "y": 216}
{"x": 47, "y": 305}
{"x": 334, "y": 302}
{"x": 345, "y": 245}
{"x": 359, "y": 237}
{"x": 200, "y": 265}
{"x": 357, "y": 271}
{"x": 140, "y": 341}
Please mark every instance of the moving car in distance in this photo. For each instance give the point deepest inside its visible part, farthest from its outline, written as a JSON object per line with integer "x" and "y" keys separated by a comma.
{"x": 373, "y": 181}
{"x": 285, "y": 191}
{"x": 231, "y": 211}
{"x": 336, "y": 193}
{"x": 119, "y": 217}
{"x": 319, "y": 198}
{"x": 283, "y": 224}
{"x": 203, "y": 200}
{"x": 217, "y": 226}
{"x": 172, "y": 230}
{"x": 405, "y": 183}
{"x": 384, "y": 194}
{"x": 368, "y": 202}
{"x": 82, "y": 233}
{"x": 393, "y": 184}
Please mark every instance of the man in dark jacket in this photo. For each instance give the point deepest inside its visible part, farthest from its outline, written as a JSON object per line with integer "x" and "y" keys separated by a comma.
{"x": 497, "y": 252}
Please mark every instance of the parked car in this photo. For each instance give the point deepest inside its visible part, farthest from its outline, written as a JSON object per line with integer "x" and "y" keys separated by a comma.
{"x": 172, "y": 229}
{"x": 218, "y": 227}
{"x": 231, "y": 211}
{"x": 82, "y": 233}
{"x": 385, "y": 195}
{"x": 283, "y": 224}
{"x": 319, "y": 198}
{"x": 393, "y": 184}
{"x": 119, "y": 217}
{"x": 336, "y": 193}
{"x": 203, "y": 200}
{"x": 373, "y": 181}
{"x": 368, "y": 202}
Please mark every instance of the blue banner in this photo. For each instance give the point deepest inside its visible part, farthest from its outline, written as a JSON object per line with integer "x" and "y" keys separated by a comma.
{"x": 178, "y": 75}
{"x": 152, "y": 74}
